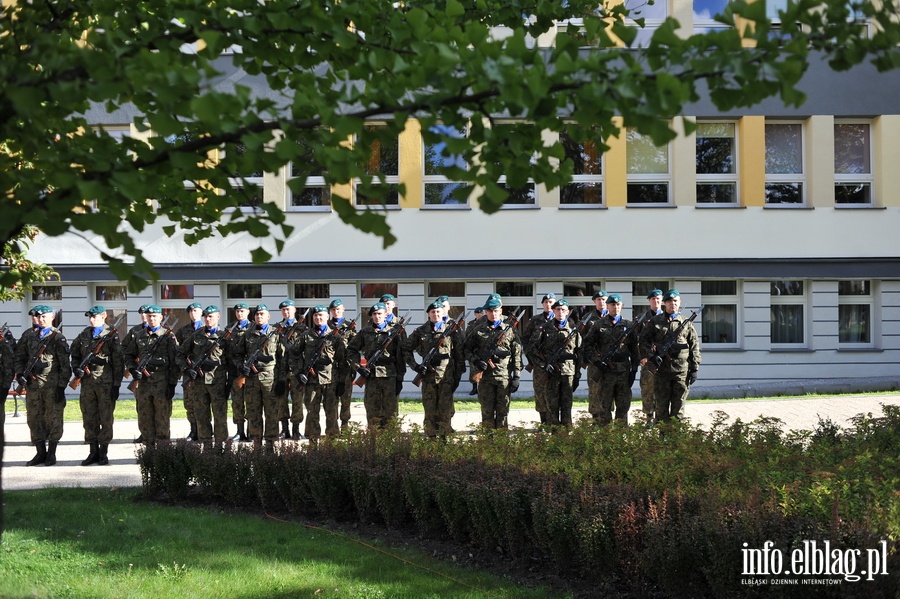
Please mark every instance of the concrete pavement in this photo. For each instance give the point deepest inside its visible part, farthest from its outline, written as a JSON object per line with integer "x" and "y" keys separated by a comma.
{"x": 123, "y": 471}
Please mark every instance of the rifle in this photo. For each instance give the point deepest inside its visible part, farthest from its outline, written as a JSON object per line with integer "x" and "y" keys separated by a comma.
{"x": 550, "y": 364}
{"x": 144, "y": 361}
{"x": 661, "y": 353}
{"x": 604, "y": 362}
{"x": 94, "y": 351}
{"x": 337, "y": 334}
{"x": 365, "y": 373}
{"x": 195, "y": 369}
{"x": 250, "y": 362}
{"x": 529, "y": 367}
{"x": 429, "y": 355}
{"x": 3, "y": 332}
{"x": 28, "y": 373}
{"x": 285, "y": 331}
{"x": 162, "y": 324}
{"x": 493, "y": 345}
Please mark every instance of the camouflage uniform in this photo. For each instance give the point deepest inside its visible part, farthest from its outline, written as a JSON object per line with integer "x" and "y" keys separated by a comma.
{"x": 153, "y": 394}
{"x": 290, "y": 403}
{"x": 205, "y": 352}
{"x": 238, "y": 405}
{"x": 648, "y": 405}
{"x": 546, "y": 341}
{"x": 539, "y": 377}
{"x": 181, "y": 335}
{"x": 100, "y": 383}
{"x": 506, "y": 357}
{"x": 381, "y": 394}
{"x": 7, "y": 371}
{"x": 348, "y": 332}
{"x": 319, "y": 357}
{"x": 594, "y": 373}
{"x": 618, "y": 375}
{"x": 441, "y": 377}
{"x": 671, "y": 378}
{"x": 262, "y": 377}
{"x": 45, "y": 399}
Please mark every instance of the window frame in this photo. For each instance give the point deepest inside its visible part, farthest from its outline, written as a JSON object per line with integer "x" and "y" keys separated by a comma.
{"x": 114, "y": 307}
{"x": 788, "y": 178}
{"x": 845, "y": 179}
{"x": 647, "y": 178}
{"x": 317, "y": 181}
{"x": 867, "y": 300}
{"x": 175, "y": 307}
{"x": 439, "y": 179}
{"x": 732, "y": 178}
{"x": 710, "y": 300}
{"x": 598, "y": 179}
{"x": 801, "y": 300}
{"x": 392, "y": 180}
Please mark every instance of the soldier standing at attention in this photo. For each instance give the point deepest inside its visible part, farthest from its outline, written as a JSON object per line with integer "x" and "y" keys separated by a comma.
{"x": 439, "y": 378}
{"x": 390, "y": 302}
{"x": 319, "y": 364}
{"x": 195, "y": 314}
{"x": 290, "y": 403}
{"x": 142, "y": 313}
{"x": 384, "y": 375}
{"x": 100, "y": 379}
{"x": 238, "y": 405}
{"x": 470, "y": 326}
{"x": 343, "y": 388}
{"x": 154, "y": 385}
{"x": 620, "y": 368}
{"x": 594, "y": 373}
{"x": 539, "y": 376}
{"x": 495, "y": 353}
{"x": 7, "y": 370}
{"x": 648, "y": 406}
{"x": 557, "y": 351}
{"x": 203, "y": 360}
{"x": 42, "y": 367}
{"x": 678, "y": 370}
{"x": 261, "y": 359}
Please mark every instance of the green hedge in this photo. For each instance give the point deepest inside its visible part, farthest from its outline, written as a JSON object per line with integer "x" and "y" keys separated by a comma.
{"x": 645, "y": 510}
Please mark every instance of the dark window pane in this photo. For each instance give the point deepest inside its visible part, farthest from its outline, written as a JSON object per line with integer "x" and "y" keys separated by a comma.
{"x": 640, "y": 289}
{"x": 243, "y": 291}
{"x": 391, "y": 197}
{"x": 47, "y": 293}
{"x": 852, "y": 193}
{"x": 581, "y": 193}
{"x": 786, "y": 288}
{"x": 312, "y": 290}
{"x": 520, "y": 195}
{"x": 585, "y": 155}
{"x": 444, "y": 194}
{"x": 111, "y": 293}
{"x": 716, "y": 193}
{"x": 448, "y": 288}
{"x": 167, "y": 292}
{"x": 787, "y": 324}
{"x": 720, "y": 323}
{"x": 784, "y": 193}
{"x": 715, "y": 155}
{"x": 860, "y": 287}
{"x": 312, "y": 196}
{"x": 718, "y": 288}
{"x": 854, "y": 323}
{"x": 376, "y": 290}
{"x": 579, "y": 289}
{"x": 514, "y": 288}
{"x": 648, "y": 193}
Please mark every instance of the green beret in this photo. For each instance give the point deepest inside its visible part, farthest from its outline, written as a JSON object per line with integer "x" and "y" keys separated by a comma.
{"x": 262, "y": 308}
{"x": 495, "y": 296}
{"x": 286, "y": 304}
{"x": 671, "y": 294}
{"x": 549, "y": 296}
{"x": 614, "y": 298}
{"x": 320, "y": 308}
{"x": 335, "y": 303}
{"x": 31, "y": 312}
{"x": 478, "y": 309}
{"x": 376, "y": 307}
{"x": 387, "y": 297}
{"x": 153, "y": 309}
{"x": 42, "y": 309}
{"x": 241, "y": 306}
{"x": 561, "y": 302}
{"x": 492, "y": 304}
{"x": 197, "y": 305}
{"x": 95, "y": 310}
{"x": 444, "y": 298}
{"x": 435, "y": 305}
{"x": 143, "y": 309}
{"x": 210, "y": 310}
{"x": 599, "y": 293}
{"x": 654, "y": 293}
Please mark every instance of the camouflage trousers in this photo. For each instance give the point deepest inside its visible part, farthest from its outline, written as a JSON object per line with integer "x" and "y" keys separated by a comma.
{"x": 345, "y": 398}
{"x": 494, "y": 399}
{"x": 559, "y": 399}
{"x": 381, "y": 401}
{"x": 297, "y": 396}
{"x": 316, "y": 397}
{"x": 595, "y": 383}
{"x": 261, "y": 402}
{"x": 44, "y": 414}
{"x": 97, "y": 409}
{"x": 238, "y": 405}
{"x": 670, "y": 392}
{"x": 437, "y": 399}
{"x": 615, "y": 394}
{"x": 540, "y": 380}
{"x": 210, "y": 410}
{"x": 648, "y": 405}
{"x": 154, "y": 411}
{"x": 190, "y": 404}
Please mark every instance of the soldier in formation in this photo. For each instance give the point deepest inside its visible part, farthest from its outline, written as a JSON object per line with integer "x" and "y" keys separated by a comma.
{"x": 346, "y": 330}
{"x": 195, "y": 314}
{"x": 556, "y": 354}
{"x": 320, "y": 368}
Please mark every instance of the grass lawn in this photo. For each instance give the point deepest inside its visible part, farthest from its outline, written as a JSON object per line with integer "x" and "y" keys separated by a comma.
{"x": 100, "y": 543}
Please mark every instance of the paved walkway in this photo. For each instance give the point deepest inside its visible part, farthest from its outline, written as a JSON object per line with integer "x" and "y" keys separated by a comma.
{"x": 123, "y": 471}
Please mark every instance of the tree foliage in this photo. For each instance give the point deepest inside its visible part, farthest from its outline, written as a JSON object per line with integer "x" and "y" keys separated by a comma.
{"x": 330, "y": 66}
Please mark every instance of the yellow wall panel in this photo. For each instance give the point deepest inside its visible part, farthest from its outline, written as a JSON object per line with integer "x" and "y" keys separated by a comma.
{"x": 616, "y": 166}
{"x": 411, "y": 159}
{"x": 752, "y": 160}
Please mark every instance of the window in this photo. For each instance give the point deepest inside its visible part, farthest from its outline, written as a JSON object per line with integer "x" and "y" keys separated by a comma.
{"x": 788, "y": 302}
{"x": 371, "y": 292}
{"x": 784, "y": 163}
{"x": 516, "y": 296}
{"x": 716, "y": 164}
{"x": 852, "y": 163}
{"x": 173, "y": 299}
{"x": 587, "y": 180}
{"x": 439, "y": 161}
{"x": 307, "y": 188}
{"x": 648, "y": 169}
{"x": 579, "y": 294}
{"x": 652, "y": 13}
{"x": 640, "y": 290}
{"x": 114, "y": 298}
{"x": 49, "y": 295}
{"x": 244, "y": 176}
{"x": 704, "y": 13}
{"x": 720, "y": 320}
{"x": 511, "y": 134}
{"x": 383, "y": 165}
{"x": 455, "y": 290}
{"x": 250, "y": 294}
{"x": 855, "y": 309}
{"x": 312, "y": 291}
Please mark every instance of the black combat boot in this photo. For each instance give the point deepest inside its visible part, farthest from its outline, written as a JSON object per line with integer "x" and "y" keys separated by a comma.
{"x": 474, "y": 390}
{"x": 40, "y": 456}
{"x": 192, "y": 436}
{"x": 240, "y": 435}
{"x": 102, "y": 459}
{"x": 295, "y": 432}
{"x": 51, "y": 454}
{"x": 93, "y": 456}
{"x": 285, "y": 428}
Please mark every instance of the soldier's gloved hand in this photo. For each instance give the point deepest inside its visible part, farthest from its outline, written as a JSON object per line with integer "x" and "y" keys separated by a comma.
{"x": 364, "y": 372}
{"x": 190, "y": 373}
{"x": 60, "y": 395}
{"x": 170, "y": 392}
{"x": 114, "y": 393}
{"x": 421, "y": 369}
{"x": 339, "y": 388}
{"x": 302, "y": 379}
{"x": 323, "y": 361}
{"x": 691, "y": 377}
{"x": 78, "y": 372}
{"x": 136, "y": 374}
{"x": 514, "y": 384}
{"x": 480, "y": 365}
{"x": 398, "y": 386}
{"x": 245, "y": 370}
{"x": 23, "y": 382}
{"x": 279, "y": 388}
